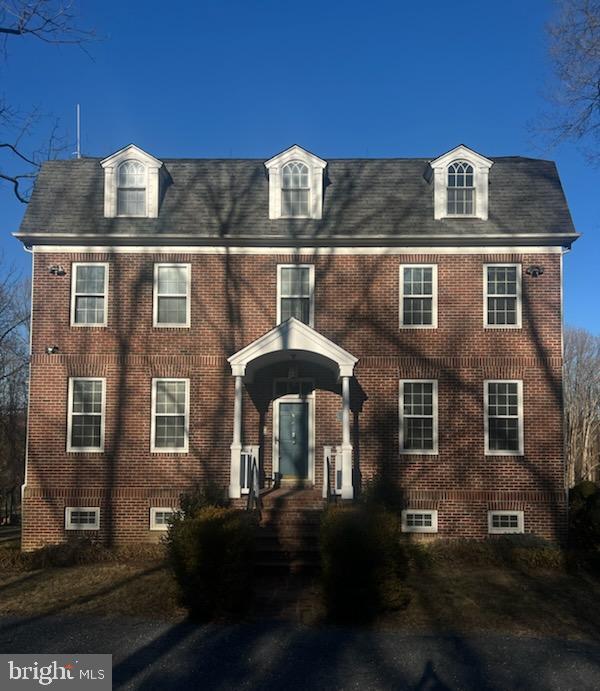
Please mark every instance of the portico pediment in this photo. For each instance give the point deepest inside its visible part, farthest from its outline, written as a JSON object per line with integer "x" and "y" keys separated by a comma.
{"x": 289, "y": 337}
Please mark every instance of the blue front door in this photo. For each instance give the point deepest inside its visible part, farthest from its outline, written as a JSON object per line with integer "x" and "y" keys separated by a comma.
{"x": 293, "y": 440}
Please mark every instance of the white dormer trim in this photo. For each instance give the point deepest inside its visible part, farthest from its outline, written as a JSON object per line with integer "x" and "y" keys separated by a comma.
{"x": 315, "y": 166}
{"x": 111, "y": 166}
{"x": 481, "y": 169}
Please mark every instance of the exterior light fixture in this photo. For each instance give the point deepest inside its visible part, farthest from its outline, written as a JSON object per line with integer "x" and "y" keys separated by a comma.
{"x": 57, "y": 270}
{"x": 534, "y": 271}
{"x": 51, "y": 349}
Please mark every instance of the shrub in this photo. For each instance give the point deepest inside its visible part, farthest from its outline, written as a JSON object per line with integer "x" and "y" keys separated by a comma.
{"x": 362, "y": 563}
{"x": 200, "y": 496}
{"x": 211, "y": 553}
{"x": 584, "y": 515}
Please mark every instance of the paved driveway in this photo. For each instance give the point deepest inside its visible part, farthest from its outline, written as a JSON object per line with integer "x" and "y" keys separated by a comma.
{"x": 152, "y": 655}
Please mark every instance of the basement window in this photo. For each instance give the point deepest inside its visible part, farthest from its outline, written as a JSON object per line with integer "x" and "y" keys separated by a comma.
{"x": 82, "y": 518}
{"x": 419, "y": 521}
{"x": 502, "y": 522}
{"x": 160, "y": 517}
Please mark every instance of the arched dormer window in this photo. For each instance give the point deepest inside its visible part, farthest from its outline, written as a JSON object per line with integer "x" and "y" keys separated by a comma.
{"x": 460, "y": 184}
{"x": 295, "y": 190}
{"x": 131, "y": 189}
{"x": 461, "y": 189}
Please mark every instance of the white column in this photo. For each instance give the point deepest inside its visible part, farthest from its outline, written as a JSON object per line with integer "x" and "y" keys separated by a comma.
{"x": 347, "y": 488}
{"x": 236, "y": 446}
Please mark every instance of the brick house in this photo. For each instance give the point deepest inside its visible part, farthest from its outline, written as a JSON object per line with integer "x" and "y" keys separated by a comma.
{"x": 333, "y": 322}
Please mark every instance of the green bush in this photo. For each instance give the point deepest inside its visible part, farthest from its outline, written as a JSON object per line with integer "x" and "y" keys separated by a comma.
{"x": 211, "y": 553}
{"x": 584, "y": 516}
{"x": 362, "y": 563}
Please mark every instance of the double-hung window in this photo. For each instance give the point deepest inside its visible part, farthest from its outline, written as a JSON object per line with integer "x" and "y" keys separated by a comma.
{"x": 295, "y": 190}
{"x": 461, "y": 189}
{"x": 172, "y": 295}
{"x": 503, "y": 417}
{"x": 170, "y": 415}
{"x": 85, "y": 428}
{"x": 131, "y": 189}
{"x": 502, "y": 295}
{"x": 418, "y": 416}
{"x": 418, "y": 296}
{"x": 89, "y": 294}
{"x": 295, "y": 288}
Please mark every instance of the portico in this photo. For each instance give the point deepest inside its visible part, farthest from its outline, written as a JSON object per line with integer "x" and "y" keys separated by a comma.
{"x": 289, "y": 346}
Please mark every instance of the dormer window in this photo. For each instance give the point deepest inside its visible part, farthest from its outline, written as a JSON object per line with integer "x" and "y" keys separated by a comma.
{"x": 131, "y": 189}
{"x": 295, "y": 190}
{"x": 460, "y": 184}
{"x": 295, "y": 184}
{"x": 132, "y": 180}
{"x": 461, "y": 189}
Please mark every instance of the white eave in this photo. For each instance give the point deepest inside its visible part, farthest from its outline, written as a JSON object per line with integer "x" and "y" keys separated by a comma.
{"x": 293, "y": 153}
{"x": 461, "y": 151}
{"x": 131, "y": 151}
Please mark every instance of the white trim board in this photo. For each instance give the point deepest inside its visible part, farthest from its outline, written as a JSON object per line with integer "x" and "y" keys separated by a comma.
{"x": 307, "y": 251}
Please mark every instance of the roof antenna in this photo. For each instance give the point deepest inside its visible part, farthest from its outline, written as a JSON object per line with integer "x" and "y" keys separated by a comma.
{"x": 78, "y": 152}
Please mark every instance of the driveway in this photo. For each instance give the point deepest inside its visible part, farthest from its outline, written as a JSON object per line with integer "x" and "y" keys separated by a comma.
{"x": 153, "y": 655}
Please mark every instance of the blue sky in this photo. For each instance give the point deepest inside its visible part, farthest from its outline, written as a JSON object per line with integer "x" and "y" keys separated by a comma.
{"x": 343, "y": 79}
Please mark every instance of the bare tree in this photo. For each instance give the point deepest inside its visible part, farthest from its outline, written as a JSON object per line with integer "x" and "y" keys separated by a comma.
{"x": 48, "y": 21}
{"x": 582, "y": 405}
{"x": 14, "y": 322}
{"x": 575, "y": 53}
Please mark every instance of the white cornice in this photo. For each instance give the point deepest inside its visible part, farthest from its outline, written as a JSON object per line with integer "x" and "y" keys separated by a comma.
{"x": 127, "y": 152}
{"x": 295, "y": 152}
{"x": 461, "y": 151}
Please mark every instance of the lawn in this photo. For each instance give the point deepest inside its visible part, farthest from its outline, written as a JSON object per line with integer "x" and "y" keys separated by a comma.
{"x": 451, "y": 590}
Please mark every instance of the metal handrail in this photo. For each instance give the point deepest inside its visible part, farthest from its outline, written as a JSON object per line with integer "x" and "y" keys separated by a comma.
{"x": 254, "y": 489}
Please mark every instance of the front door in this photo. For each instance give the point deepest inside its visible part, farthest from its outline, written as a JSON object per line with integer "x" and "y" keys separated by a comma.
{"x": 293, "y": 440}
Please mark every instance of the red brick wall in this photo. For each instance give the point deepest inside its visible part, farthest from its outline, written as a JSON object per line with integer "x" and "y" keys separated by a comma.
{"x": 356, "y": 306}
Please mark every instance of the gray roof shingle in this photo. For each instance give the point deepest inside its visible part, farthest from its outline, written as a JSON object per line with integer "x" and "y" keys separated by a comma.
{"x": 364, "y": 198}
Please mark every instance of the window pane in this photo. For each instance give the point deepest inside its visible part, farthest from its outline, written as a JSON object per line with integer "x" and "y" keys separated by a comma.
{"x": 85, "y": 431}
{"x": 170, "y": 397}
{"x": 505, "y": 520}
{"x": 131, "y": 202}
{"x": 417, "y": 312}
{"x": 502, "y": 280}
{"x": 418, "y": 433}
{"x": 295, "y": 175}
{"x": 89, "y": 310}
{"x": 295, "y": 281}
{"x": 295, "y": 307}
{"x": 131, "y": 174}
{"x": 172, "y": 280}
{"x": 170, "y": 432}
{"x": 87, "y": 396}
{"x": 162, "y": 517}
{"x": 418, "y": 280}
{"x": 172, "y": 311}
{"x": 504, "y": 434}
{"x": 419, "y": 520}
{"x": 90, "y": 279}
{"x": 83, "y": 517}
{"x": 295, "y": 202}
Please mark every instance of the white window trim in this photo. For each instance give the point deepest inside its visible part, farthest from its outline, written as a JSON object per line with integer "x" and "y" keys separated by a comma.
{"x": 434, "y": 389}
{"x": 153, "y": 511}
{"x": 74, "y": 267}
{"x": 316, "y": 168}
{"x": 155, "y": 296}
{"x": 162, "y": 449}
{"x": 311, "y": 288}
{"x": 76, "y": 526}
{"x": 420, "y": 529}
{"x": 519, "y": 301}
{"x": 111, "y": 167}
{"x": 85, "y": 449}
{"x": 506, "y": 531}
{"x": 434, "y": 296}
{"x": 486, "y": 421}
{"x": 481, "y": 168}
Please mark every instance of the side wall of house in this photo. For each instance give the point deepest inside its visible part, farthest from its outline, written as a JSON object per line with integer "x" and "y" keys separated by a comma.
{"x": 233, "y": 301}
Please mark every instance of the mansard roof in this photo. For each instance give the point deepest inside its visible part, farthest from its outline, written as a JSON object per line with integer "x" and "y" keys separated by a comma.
{"x": 366, "y": 201}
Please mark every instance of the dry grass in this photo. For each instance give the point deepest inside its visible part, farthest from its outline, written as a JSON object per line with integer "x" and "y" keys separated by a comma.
{"x": 466, "y": 587}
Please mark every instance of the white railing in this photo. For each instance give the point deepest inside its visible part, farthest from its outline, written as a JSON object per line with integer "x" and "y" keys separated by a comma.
{"x": 248, "y": 460}
{"x": 332, "y": 471}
